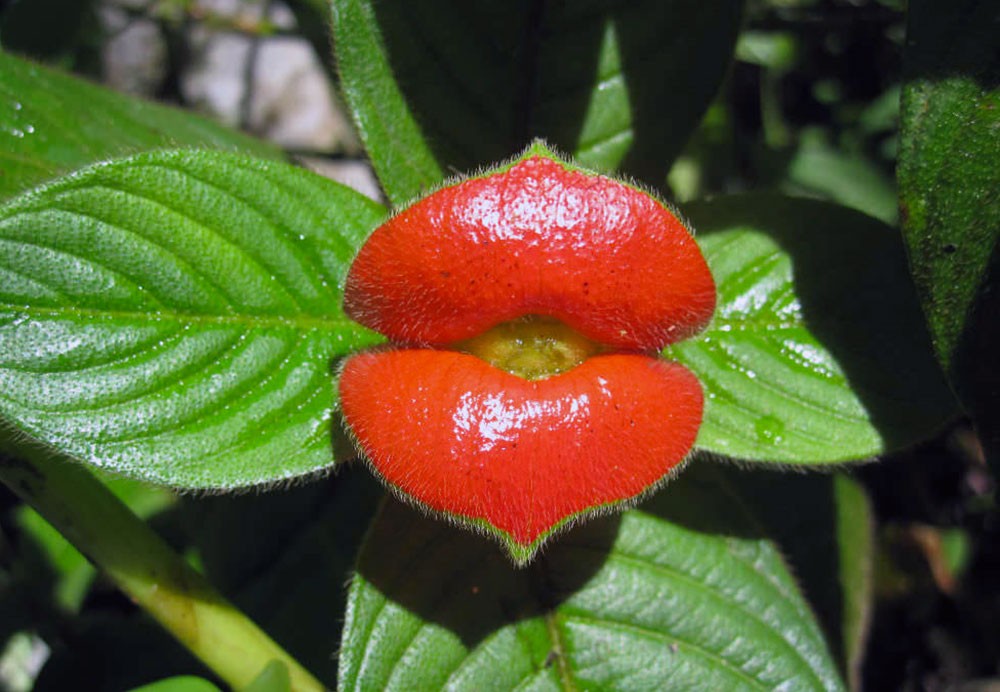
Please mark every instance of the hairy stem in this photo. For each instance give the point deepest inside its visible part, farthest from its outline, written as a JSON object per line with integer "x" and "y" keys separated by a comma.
{"x": 144, "y": 567}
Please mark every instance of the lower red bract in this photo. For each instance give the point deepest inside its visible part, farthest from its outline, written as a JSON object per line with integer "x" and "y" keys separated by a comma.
{"x": 473, "y": 441}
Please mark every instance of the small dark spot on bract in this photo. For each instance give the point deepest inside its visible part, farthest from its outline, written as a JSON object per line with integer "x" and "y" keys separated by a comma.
{"x": 950, "y": 248}
{"x": 445, "y": 274}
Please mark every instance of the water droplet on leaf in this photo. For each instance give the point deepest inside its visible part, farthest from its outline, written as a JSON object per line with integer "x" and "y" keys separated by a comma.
{"x": 770, "y": 429}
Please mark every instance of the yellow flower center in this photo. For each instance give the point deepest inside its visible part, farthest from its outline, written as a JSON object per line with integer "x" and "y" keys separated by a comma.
{"x": 533, "y": 347}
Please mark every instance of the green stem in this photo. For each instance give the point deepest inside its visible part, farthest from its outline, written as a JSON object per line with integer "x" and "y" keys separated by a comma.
{"x": 144, "y": 567}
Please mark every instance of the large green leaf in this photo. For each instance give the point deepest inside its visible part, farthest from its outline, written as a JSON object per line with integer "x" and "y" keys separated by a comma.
{"x": 685, "y": 592}
{"x": 174, "y": 316}
{"x": 949, "y": 182}
{"x": 450, "y": 86}
{"x": 51, "y": 124}
{"x": 824, "y": 525}
{"x": 817, "y": 351}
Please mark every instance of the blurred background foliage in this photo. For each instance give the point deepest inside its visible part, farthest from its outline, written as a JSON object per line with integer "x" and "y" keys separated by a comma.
{"x": 810, "y": 107}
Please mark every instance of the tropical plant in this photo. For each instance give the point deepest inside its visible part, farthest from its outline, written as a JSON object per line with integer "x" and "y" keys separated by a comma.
{"x": 171, "y": 317}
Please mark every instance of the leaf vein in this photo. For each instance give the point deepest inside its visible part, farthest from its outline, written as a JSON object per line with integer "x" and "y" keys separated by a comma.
{"x": 600, "y": 621}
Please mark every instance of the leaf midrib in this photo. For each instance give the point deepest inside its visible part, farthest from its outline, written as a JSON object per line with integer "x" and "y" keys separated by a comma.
{"x": 552, "y": 627}
{"x": 250, "y": 321}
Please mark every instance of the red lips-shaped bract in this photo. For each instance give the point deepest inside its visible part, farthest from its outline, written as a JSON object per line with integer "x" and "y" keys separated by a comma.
{"x": 518, "y": 457}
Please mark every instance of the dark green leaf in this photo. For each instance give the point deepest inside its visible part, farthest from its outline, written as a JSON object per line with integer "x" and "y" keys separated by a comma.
{"x": 684, "y": 593}
{"x": 46, "y": 29}
{"x": 114, "y": 650}
{"x": 175, "y": 316}
{"x": 73, "y": 572}
{"x": 824, "y": 526}
{"x": 448, "y": 86}
{"x": 284, "y": 558}
{"x": 817, "y": 352}
{"x": 51, "y": 124}
{"x": 949, "y": 183}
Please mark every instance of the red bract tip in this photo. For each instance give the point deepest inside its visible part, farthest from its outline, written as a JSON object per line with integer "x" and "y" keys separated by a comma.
{"x": 522, "y": 457}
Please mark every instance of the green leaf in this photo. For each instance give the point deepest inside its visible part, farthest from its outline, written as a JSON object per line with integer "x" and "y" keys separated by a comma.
{"x": 274, "y": 678}
{"x": 817, "y": 351}
{"x": 181, "y": 683}
{"x": 950, "y": 193}
{"x": 51, "y": 124}
{"x": 824, "y": 525}
{"x": 174, "y": 316}
{"x": 855, "y": 550}
{"x": 683, "y": 593}
{"x": 848, "y": 178}
{"x": 453, "y": 86}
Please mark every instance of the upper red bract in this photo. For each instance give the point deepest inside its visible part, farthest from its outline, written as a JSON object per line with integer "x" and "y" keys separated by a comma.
{"x": 605, "y": 258}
